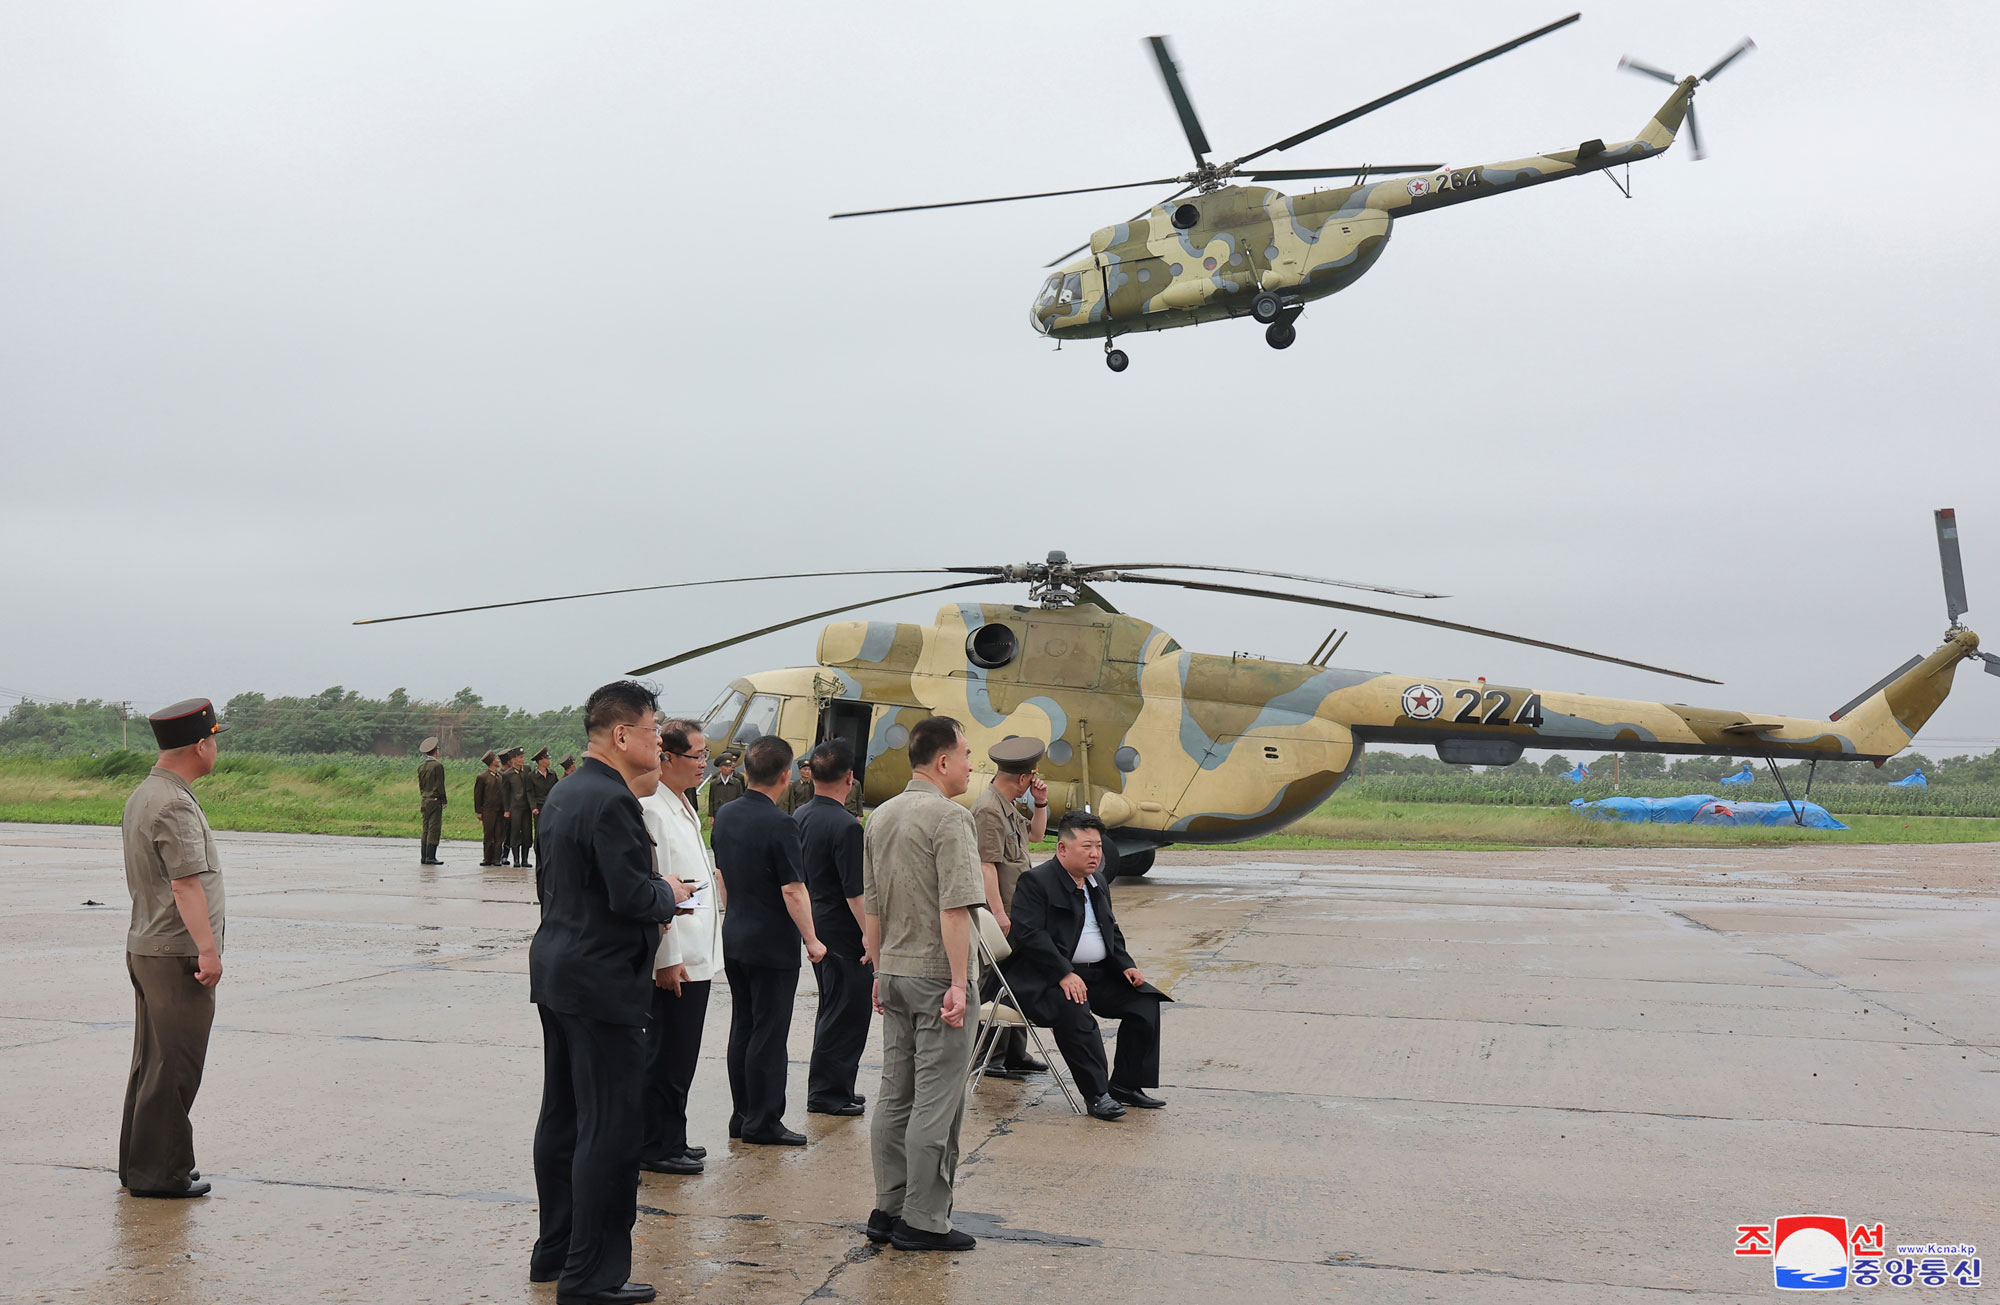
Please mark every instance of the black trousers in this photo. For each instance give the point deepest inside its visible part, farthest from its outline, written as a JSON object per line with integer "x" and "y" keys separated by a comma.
{"x": 673, "y": 1047}
{"x": 492, "y": 839}
{"x": 1082, "y": 1046}
{"x": 846, "y": 1003}
{"x": 587, "y": 1150}
{"x": 172, "y": 1015}
{"x": 760, "y": 1017}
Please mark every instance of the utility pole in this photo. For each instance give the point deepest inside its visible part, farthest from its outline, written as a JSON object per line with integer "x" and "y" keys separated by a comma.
{"x": 1617, "y": 772}
{"x": 124, "y": 725}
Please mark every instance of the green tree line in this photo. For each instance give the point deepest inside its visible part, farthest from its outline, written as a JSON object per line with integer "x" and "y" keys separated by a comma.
{"x": 334, "y": 721}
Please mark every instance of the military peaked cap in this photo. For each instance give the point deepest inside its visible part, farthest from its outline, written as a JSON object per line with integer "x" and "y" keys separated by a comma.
{"x": 430, "y": 744}
{"x": 1016, "y": 756}
{"x": 490, "y": 757}
{"x": 569, "y": 761}
{"x": 184, "y": 723}
{"x": 540, "y": 755}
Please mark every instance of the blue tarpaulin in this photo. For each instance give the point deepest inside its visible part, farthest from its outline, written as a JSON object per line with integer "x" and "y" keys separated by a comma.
{"x": 1702, "y": 809}
{"x": 1915, "y": 780}
{"x": 1743, "y": 776}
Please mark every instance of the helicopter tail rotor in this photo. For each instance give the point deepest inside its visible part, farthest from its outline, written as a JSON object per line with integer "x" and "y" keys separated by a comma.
{"x": 1737, "y": 51}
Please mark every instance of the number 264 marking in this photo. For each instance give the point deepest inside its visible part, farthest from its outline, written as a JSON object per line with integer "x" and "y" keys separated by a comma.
{"x": 1496, "y": 702}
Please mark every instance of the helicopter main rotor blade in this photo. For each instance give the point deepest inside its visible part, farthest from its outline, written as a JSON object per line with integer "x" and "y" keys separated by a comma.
{"x": 1694, "y": 133}
{"x": 1648, "y": 70}
{"x": 1275, "y": 575}
{"x": 1952, "y": 564}
{"x": 1003, "y": 199}
{"x": 681, "y": 584}
{"x": 1743, "y": 47}
{"x": 1432, "y": 80}
{"x": 1304, "y": 174}
{"x": 1065, "y": 257}
{"x": 706, "y": 649}
{"x": 1419, "y": 620}
{"x": 1171, "y": 74}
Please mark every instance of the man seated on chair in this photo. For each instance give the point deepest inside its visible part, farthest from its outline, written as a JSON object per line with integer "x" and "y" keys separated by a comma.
{"x": 1070, "y": 965}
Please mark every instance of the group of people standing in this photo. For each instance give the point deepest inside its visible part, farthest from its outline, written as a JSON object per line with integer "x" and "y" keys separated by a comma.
{"x": 508, "y": 798}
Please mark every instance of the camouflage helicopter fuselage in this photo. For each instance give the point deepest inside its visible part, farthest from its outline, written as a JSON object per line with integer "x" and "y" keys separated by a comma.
{"x": 1172, "y": 746}
{"x": 1231, "y": 243}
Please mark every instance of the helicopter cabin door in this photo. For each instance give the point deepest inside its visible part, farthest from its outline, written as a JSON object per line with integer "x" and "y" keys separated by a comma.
{"x": 1133, "y": 282}
{"x": 849, "y": 722}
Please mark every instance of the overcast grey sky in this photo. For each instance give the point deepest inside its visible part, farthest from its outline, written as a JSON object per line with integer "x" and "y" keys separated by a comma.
{"x": 310, "y": 312}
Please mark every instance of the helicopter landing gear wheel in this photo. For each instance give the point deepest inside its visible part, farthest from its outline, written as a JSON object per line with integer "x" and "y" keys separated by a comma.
{"x": 1265, "y": 307}
{"x": 1115, "y": 359}
{"x": 1279, "y": 335}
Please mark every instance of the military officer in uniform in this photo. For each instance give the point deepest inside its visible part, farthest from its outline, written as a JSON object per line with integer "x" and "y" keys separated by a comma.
{"x": 800, "y": 791}
{"x": 728, "y": 784}
{"x": 489, "y": 803}
{"x": 520, "y": 811}
{"x": 540, "y": 780}
{"x": 568, "y": 764}
{"x": 432, "y": 799}
{"x": 1005, "y": 833}
{"x": 173, "y": 953}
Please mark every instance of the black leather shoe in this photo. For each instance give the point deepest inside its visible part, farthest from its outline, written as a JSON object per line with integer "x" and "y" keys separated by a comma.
{"x": 998, "y": 1070}
{"x": 672, "y": 1164}
{"x": 735, "y": 1126}
{"x": 881, "y": 1226}
{"x": 198, "y": 1187}
{"x": 1027, "y": 1065}
{"x": 906, "y": 1238}
{"x": 777, "y": 1137}
{"x": 1135, "y": 1097}
{"x": 858, "y": 1099}
{"x": 632, "y": 1293}
{"x": 844, "y": 1108}
{"x": 544, "y": 1275}
{"x": 1106, "y": 1108}
{"x": 698, "y": 1152}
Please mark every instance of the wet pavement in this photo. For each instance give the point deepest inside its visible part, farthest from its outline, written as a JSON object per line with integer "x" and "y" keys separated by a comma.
{"x": 1560, "y": 1076}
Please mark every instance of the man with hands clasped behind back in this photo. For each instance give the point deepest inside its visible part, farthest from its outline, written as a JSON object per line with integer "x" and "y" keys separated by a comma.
{"x": 757, "y": 852}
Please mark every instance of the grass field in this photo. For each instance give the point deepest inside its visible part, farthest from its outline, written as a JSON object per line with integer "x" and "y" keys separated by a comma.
{"x": 378, "y": 796}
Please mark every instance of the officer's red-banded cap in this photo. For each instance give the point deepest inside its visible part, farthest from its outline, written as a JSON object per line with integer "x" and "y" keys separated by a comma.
{"x": 185, "y": 723}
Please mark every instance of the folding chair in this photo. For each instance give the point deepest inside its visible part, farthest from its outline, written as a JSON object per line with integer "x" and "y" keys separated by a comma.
{"x": 996, "y": 1016}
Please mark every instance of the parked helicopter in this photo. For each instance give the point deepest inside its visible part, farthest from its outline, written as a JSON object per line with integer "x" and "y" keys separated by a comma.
{"x": 1237, "y": 251}
{"x": 1172, "y": 746}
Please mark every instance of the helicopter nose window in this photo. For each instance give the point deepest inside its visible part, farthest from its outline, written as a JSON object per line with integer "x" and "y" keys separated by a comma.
{"x": 1050, "y": 289}
{"x": 723, "y": 716}
{"x": 991, "y": 646}
{"x": 1186, "y": 216}
{"x": 759, "y": 720}
{"x": 1072, "y": 290}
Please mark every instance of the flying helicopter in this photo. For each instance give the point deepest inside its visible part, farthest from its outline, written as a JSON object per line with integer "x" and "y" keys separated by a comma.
{"x": 1170, "y": 746}
{"x": 1235, "y": 250}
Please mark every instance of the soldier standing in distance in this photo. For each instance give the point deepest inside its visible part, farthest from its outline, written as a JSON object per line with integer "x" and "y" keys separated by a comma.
{"x": 540, "y": 780}
{"x": 489, "y": 803}
{"x": 799, "y": 792}
{"x": 920, "y": 881}
{"x": 727, "y": 785}
{"x": 1004, "y": 836}
{"x": 520, "y": 815}
{"x": 173, "y": 953}
{"x": 430, "y": 787}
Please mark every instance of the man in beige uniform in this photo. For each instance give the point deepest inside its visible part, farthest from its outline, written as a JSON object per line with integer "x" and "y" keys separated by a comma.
{"x": 173, "y": 954}
{"x": 1004, "y": 835}
{"x": 920, "y": 879}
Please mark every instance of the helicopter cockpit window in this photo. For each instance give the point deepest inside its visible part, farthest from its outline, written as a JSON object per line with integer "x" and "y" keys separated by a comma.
{"x": 722, "y": 716}
{"x": 1072, "y": 290}
{"x": 760, "y": 719}
{"x": 1050, "y": 289}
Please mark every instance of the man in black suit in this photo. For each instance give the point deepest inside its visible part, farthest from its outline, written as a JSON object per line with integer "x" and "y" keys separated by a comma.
{"x": 1070, "y": 964}
{"x": 590, "y": 975}
{"x": 757, "y": 852}
{"x": 830, "y": 845}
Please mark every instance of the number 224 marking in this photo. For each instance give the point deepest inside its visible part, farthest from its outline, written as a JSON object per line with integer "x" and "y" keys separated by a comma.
{"x": 1496, "y": 713}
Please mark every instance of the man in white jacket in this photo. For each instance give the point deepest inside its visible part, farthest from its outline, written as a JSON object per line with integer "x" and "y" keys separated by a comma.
{"x": 690, "y": 952}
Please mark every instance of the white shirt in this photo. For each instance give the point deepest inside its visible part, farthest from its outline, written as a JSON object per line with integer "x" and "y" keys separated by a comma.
{"x": 1090, "y": 944}
{"x": 694, "y": 940}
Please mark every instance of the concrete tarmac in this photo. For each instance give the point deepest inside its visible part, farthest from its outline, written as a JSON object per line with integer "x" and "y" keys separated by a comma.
{"x": 1556, "y": 1076}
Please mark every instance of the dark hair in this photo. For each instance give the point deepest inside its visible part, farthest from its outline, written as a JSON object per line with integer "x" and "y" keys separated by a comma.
{"x": 674, "y": 735}
{"x": 930, "y": 736}
{"x": 832, "y": 759}
{"x": 1075, "y": 821}
{"x": 622, "y": 702}
{"x": 766, "y": 761}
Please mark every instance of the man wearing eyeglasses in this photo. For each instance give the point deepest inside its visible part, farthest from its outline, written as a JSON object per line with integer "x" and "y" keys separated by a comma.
{"x": 590, "y": 976}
